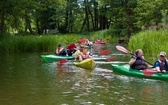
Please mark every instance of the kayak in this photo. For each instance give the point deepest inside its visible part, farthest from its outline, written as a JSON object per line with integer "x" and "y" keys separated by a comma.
{"x": 126, "y": 70}
{"x": 52, "y": 58}
{"x": 86, "y": 64}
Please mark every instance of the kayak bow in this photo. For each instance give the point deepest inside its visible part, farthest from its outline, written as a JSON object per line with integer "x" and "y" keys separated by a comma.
{"x": 86, "y": 64}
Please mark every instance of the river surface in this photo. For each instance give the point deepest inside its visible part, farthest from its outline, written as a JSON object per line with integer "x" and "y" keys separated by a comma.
{"x": 26, "y": 80}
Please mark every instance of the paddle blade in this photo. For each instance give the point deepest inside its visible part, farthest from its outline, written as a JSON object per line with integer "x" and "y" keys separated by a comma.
{"x": 121, "y": 48}
{"x": 111, "y": 59}
{"x": 100, "y": 42}
{"x": 148, "y": 72}
{"x": 104, "y": 52}
{"x": 61, "y": 61}
{"x": 84, "y": 40}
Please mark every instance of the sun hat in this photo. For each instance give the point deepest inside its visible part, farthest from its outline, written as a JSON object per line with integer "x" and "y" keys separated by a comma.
{"x": 162, "y": 53}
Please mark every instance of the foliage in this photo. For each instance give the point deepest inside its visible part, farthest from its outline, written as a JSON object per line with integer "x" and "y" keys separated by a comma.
{"x": 151, "y": 42}
{"x": 123, "y": 17}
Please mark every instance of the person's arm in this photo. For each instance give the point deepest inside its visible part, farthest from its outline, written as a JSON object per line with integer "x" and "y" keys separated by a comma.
{"x": 132, "y": 61}
{"x": 156, "y": 67}
{"x": 75, "y": 55}
{"x": 57, "y": 52}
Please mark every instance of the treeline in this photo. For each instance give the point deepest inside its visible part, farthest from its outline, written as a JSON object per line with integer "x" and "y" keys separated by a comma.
{"x": 123, "y": 17}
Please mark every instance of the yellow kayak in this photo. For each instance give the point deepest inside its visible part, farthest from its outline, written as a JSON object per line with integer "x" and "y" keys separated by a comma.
{"x": 86, "y": 64}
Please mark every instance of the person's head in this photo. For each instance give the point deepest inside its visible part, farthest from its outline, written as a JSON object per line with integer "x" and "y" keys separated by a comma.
{"x": 59, "y": 46}
{"x": 139, "y": 52}
{"x": 162, "y": 56}
{"x": 81, "y": 48}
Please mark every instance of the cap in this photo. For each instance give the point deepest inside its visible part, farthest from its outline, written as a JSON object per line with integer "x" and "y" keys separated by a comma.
{"x": 162, "y": 53}
{"x": 82, "y": 46}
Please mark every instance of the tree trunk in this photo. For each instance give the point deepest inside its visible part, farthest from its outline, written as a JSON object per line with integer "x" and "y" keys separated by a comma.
{"x": 95, "y": 16}
{"x": 103, "y": 19}
{"x": 70, "y": 21}
{"x": 92, "y": 19}
{"x": 83, "y": 25}
{"x": 67, "y": 20}
{"x": 2, "y": 21}
{"x": 129, "y": 21}
{"x": 28, "y": 23}
{"x": 38, "y": 26}
{"x": 87, "y": 15}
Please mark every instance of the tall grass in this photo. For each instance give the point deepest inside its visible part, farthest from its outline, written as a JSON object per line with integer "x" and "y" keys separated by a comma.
{"x": 44, "y": 43}
{"x": 107, "y": 35}
{"x": 151, "y": 42}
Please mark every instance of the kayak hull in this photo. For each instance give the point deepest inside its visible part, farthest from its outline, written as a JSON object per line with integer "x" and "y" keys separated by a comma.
{"x": 86, "y": 64}
{"x": 53, "y": 58}
{"x": 126, "y": 70}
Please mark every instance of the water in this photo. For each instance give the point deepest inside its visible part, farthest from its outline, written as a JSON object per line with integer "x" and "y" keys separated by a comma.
{"x": 26, "y": 80}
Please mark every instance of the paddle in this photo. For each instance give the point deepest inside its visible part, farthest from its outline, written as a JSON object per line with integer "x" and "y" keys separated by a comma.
{"x": 84, "y": 40}
{"x": 121, "y": 48}
{"x": 149, "y": 72}
{"x": 104, "y": 52}
{"x": 107, "y": 59}
{"x": 61, "y": 61}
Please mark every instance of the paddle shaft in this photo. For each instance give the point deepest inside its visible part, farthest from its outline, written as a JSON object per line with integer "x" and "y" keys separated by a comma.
{"x": 142, "y": 59}
{"x": 121, "y": 48}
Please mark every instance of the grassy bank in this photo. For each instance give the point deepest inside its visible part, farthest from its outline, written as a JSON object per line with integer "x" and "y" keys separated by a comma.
{"x": 45, "y": 43}
{"x": 151, "y": 42}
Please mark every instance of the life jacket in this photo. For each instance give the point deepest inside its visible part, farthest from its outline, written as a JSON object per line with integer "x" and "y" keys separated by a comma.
{"x": 139, "y": 65}
{"x": 86, "y": 55}
{"x": 61, "y": 52}
{"x": 163, "y": 66}
{"x": 71, "y": 52}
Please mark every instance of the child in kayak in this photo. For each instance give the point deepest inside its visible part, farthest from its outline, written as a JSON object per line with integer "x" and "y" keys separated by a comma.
{"x": 60, "y": 51}
{"x": 82, "y": 53}
{"x": 86, "y": 54}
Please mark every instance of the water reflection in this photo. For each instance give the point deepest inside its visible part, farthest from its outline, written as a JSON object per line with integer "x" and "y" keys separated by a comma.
{"x": 26, "y": 80}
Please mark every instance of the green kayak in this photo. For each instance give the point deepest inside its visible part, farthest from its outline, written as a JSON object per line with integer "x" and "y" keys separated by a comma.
{"x": 126, "y": 70}
{"x": 52, "y": 58}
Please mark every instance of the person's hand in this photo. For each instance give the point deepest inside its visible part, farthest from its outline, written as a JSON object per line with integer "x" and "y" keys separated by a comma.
{"x": 163, "y": 71}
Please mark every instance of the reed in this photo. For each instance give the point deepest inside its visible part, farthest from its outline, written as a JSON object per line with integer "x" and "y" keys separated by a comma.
{"x": 151, "y": 42}
{"x": 43, "y": 43}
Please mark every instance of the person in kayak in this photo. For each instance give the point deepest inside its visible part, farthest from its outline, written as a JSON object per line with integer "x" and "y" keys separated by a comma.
{"x": 85, "y": 54}
{"x": 161, "y": 65}
{"x": 82, "y": 53}
{"x": 60, "y": 51}
{"x": 137, "y": 62}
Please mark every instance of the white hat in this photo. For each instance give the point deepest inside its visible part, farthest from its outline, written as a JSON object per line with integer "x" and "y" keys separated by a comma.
{"x": 162, "y": 53}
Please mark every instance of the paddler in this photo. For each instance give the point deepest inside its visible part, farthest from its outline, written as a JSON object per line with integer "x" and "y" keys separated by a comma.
{"x": 82, "y": 53}
{"x": 60, "y": 51}
{"x": 137, "y": 62}
{"x": 161, "y": 65}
